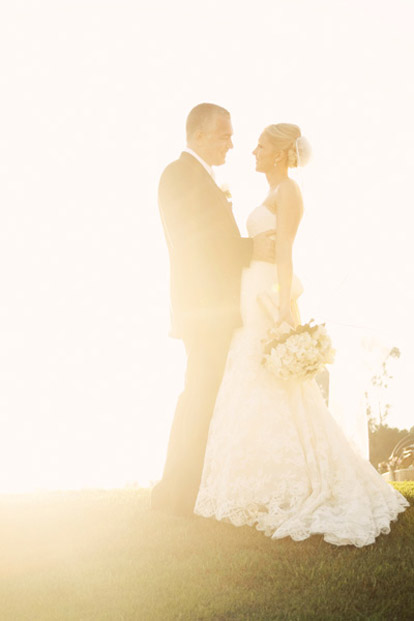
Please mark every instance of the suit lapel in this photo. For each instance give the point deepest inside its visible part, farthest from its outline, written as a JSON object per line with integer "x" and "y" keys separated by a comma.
{"x": 206, "y": 178}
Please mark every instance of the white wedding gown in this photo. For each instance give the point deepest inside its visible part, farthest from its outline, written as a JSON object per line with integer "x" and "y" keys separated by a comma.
{"x": 275, "y": 456}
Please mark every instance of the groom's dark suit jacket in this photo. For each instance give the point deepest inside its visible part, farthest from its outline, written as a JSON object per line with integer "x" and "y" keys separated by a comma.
{"x": 206, "y": 251}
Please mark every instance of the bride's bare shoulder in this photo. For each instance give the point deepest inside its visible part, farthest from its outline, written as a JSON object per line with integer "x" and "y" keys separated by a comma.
{"x": 286, "y": 192}
{"x": 288, "y": 187}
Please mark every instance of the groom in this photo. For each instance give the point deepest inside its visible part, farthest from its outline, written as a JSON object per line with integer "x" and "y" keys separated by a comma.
{"x": 207, "y": 255}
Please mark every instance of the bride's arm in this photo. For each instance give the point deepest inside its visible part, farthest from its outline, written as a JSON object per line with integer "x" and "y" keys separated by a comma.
{"x": 288, "y": 203}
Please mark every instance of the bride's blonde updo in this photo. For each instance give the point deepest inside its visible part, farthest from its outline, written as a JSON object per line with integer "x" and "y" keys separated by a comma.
{"x": 287, "y": 137}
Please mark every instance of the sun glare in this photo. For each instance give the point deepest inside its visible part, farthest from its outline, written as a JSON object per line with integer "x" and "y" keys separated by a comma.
{"x": 89, "y": 377}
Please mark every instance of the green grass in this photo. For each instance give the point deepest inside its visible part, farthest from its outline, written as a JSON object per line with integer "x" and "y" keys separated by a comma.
{"x": 90, "y": 556}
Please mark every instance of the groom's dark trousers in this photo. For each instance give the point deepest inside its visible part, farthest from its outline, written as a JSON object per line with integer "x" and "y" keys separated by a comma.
{"x": 207, "y": 255}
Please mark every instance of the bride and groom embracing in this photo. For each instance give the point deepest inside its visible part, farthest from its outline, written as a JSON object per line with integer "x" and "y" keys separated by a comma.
{"x": 245, "y": 447}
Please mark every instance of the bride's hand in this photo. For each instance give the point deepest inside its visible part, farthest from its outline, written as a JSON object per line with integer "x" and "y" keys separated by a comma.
{"x": 286, "y": 316}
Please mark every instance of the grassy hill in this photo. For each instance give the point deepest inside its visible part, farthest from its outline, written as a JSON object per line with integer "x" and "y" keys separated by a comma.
{"x": 102, "y": 555}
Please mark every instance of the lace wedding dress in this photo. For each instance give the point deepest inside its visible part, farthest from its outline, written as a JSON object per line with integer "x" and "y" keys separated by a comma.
{"x": 275, "y": 456}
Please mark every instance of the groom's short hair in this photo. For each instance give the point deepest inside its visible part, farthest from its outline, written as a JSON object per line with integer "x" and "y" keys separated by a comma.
{"x": 202, "y": 115}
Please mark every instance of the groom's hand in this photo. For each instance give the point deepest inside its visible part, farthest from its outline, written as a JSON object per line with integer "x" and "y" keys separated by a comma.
{"x": 264, "y": 247}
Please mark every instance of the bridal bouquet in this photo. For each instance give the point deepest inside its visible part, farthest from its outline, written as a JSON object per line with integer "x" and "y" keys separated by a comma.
{"x": 297, "y": 352}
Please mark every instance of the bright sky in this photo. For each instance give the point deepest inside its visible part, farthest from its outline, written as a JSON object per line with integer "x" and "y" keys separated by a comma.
{"x": 94, "y": 100}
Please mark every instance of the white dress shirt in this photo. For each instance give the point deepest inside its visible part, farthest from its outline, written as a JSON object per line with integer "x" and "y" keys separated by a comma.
{"x": 202, "y": 162}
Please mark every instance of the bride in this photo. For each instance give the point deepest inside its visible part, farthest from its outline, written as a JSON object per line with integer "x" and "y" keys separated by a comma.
{"x": 275, "y": 456}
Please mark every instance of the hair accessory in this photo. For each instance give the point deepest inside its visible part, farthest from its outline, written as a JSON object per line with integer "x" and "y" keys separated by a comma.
{"x": 303, "y": 150}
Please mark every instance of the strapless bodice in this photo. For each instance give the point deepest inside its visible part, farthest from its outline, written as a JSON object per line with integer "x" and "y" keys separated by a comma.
{"x": 259, "y": 220}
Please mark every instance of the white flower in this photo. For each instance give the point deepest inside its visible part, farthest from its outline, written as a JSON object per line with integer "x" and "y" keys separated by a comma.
{"x": 300, "y": 355}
